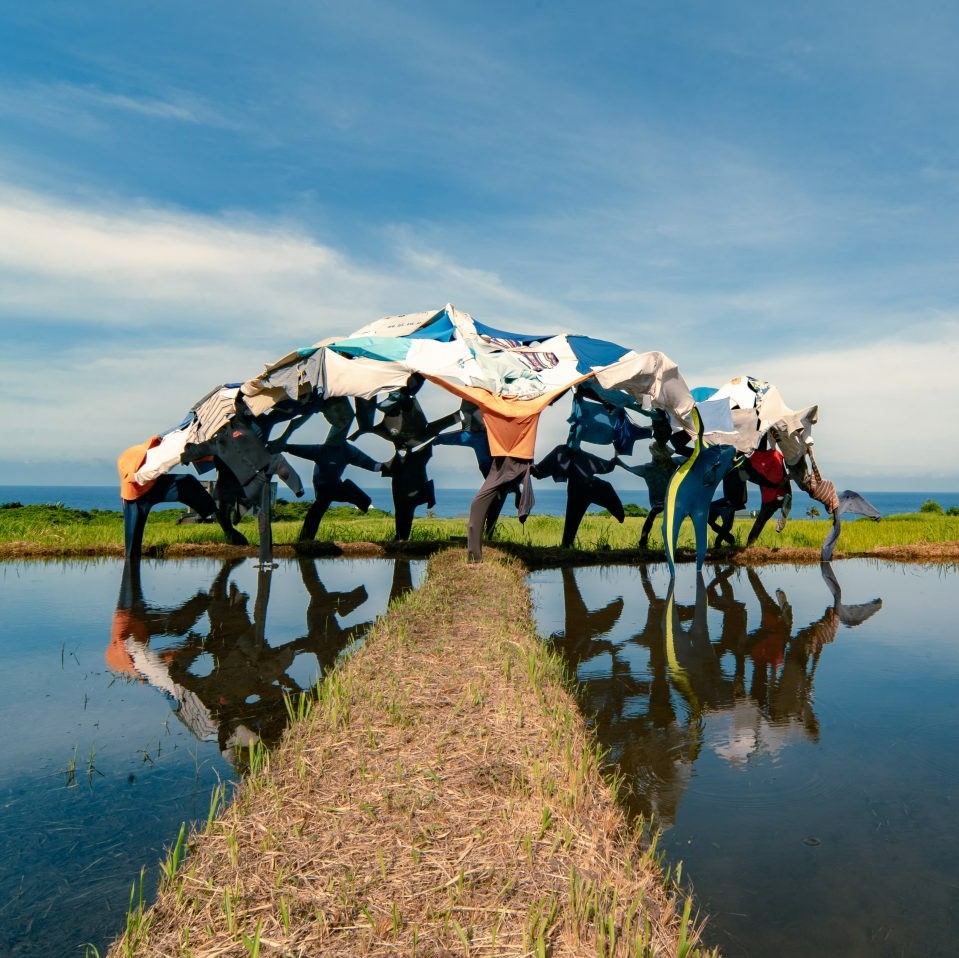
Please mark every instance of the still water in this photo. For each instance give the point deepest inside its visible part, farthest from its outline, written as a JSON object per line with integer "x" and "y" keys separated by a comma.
{"x": 795, "y": 732}
{"x": 126, "y": 698}
{"x": 793, "y": 729}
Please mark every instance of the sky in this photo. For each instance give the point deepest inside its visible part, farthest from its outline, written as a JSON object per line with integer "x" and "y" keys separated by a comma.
{"x": 189, "y": 190}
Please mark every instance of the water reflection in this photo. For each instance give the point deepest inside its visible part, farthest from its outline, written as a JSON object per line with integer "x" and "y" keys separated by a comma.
{"x": 224, "y": 679}
{"x": 696, "y": 675}
{"x": 98, "y": 774}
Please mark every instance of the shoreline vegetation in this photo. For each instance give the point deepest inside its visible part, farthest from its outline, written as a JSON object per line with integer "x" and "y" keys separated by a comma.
{"x": 417, "y": 809}
{"x": 54, "y": 531}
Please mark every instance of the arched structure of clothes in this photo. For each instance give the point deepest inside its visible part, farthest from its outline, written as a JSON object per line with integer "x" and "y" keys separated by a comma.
{"x": 512, "y": 377}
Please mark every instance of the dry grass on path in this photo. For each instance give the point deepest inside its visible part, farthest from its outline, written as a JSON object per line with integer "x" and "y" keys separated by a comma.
{"x": 442, "y": 798}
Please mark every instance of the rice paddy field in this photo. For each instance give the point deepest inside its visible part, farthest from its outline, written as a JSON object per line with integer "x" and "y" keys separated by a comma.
{"x": 55, "y": 530}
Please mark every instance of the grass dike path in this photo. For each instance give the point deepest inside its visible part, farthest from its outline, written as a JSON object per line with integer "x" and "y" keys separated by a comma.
{"x": 440, "y": 795}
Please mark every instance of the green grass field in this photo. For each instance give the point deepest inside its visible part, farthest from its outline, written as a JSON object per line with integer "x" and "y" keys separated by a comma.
{"x": 56, "y": 530}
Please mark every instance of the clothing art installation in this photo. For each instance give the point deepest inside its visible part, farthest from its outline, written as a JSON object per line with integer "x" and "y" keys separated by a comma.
{"x": 504, "y": 381}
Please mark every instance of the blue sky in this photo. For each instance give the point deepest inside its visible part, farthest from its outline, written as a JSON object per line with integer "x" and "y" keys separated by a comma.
{"x": 188, "y": 190}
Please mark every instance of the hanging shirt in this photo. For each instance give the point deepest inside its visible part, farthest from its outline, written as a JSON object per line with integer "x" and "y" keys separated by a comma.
{"x": 656, "y": 474}
{"x": 565, "y": 462}
{"x": 602, "y": 425}
{"x": 768, "y": 464}
{"x": 247, "y": 457}
{"x": 331, "y": 459}
{"x": 127, "y": 464}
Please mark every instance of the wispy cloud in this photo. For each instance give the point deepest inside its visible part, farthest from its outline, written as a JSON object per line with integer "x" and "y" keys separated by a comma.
{"x": 205, "y": 276}
{"x": 87, "y": 108}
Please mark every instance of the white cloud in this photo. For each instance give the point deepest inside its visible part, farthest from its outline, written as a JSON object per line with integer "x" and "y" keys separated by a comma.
{"x": 214, "y": 278}
{"x": 211, "y": 278}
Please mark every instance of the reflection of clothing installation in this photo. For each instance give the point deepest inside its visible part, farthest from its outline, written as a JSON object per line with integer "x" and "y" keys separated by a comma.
{"x": 505, "y": 472}
{"x": 410, "y": 487}
{"x": 135, "y": 620}
{"x": 578, "y": 469}
{"x": 140, "y": 498}
{"x": 330, "y": 460}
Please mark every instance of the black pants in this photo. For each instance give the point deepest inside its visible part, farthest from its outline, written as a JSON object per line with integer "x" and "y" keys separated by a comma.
{"x": 505, "y": 473}
{"x": 580, "y": 493}
{"x": 651, "y": 516}
{"x": 411, "y": 488}
{"x": 766, "y": 511}
{"x": 343, "y": 490}
{"x": 168, "y": 488}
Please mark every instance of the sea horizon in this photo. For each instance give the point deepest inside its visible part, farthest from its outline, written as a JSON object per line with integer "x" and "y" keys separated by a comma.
{"x": 454, "y": 502}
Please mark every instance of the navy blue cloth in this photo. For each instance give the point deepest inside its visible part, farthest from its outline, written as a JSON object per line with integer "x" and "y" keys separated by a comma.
{"x": 478, "y": 441}
{"x": 594, "y": 352}
{"x": 564, "y": 462}
{"x": 331, "y": 459}
{"x": 524, "y": 338}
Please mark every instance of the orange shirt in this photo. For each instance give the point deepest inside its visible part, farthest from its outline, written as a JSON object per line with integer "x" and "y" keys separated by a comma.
{"x": 127, "y": 464}
{"x": 510, "y": 423}
{"x": 126, "y": 623}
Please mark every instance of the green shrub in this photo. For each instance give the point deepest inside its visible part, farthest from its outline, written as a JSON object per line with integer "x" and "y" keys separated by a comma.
{"x": 930, "y": 505}
{"x": 630, "y": 509}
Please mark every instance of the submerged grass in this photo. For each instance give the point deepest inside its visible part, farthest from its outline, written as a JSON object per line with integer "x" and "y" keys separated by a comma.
{"x": 441, "y": 795}
{"x": 58, "y": 531}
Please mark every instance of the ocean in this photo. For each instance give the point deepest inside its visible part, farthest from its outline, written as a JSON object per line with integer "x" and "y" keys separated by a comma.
{"x": 452, "y": 502}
